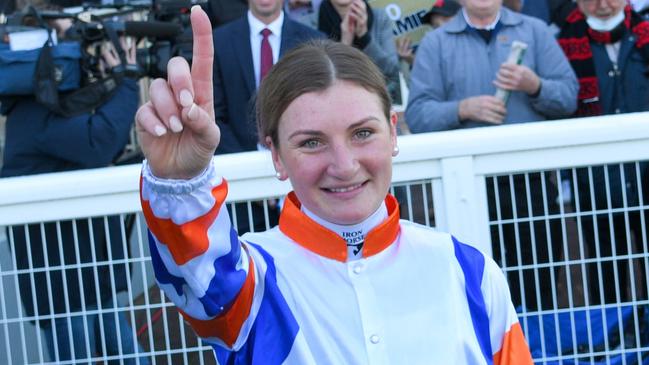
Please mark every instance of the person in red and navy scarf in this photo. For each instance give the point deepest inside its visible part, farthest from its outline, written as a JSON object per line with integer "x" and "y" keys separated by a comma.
{"x": 607, "y": 44}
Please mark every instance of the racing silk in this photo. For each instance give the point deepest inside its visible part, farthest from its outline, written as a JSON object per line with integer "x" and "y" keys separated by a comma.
{"x": 290, "y": 296}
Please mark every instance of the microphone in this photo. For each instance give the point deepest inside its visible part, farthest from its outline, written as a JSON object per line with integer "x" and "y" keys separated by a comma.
{"x": 152, "y": 29}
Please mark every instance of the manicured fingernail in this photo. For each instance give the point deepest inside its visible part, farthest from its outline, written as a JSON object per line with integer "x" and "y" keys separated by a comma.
{"x": 175, "y": 124}
{"x": 195, "y": 7}
{"x": 186, "y": 98}
{"x": 193, "y": 112}
{"x": 160, "y": 130}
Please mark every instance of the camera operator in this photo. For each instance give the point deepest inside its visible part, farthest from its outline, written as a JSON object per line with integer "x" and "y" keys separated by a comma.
{"x": 82, "y": 277}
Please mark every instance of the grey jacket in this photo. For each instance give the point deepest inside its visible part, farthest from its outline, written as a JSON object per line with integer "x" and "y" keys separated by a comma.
{"x": 453, "y": 63}
{"x": 382, "y": 48}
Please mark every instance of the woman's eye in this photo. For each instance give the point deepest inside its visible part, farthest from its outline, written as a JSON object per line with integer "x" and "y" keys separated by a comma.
{"x": 363, "y": 134}
{"x": 310, "y": 143}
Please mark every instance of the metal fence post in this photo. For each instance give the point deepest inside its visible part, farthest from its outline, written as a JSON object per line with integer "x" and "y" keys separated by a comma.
{"x": 465, "y": 202}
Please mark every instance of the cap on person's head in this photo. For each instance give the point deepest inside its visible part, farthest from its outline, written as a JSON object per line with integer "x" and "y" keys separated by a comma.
{"x": 445, "y": 8}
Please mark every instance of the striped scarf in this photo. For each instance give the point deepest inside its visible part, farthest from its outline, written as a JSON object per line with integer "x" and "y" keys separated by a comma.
{"x": 575, "y": 38}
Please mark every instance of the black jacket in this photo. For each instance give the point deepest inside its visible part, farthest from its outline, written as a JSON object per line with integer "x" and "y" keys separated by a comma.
{"x": 234, "y": 80}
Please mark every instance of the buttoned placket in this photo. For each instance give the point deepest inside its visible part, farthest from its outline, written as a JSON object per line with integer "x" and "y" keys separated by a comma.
{"x": 371, "y": 319}
{"x": 615, "y": 73}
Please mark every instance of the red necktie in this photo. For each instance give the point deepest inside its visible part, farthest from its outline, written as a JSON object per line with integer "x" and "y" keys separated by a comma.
{"x": 266, "y": 54}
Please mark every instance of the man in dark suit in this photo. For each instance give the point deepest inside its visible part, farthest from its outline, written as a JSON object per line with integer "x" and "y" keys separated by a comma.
{"x": 238, "y": 63}
{"x": 246, "y": 48}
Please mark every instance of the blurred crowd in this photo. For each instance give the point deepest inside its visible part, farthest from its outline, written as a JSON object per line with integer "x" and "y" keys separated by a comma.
{"x": 575, "y": 58}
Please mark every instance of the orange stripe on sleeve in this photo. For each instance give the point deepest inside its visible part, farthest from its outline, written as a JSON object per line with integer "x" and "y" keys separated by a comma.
{"x": 187, "y": 240}
{"x": 228, "y": 324}
{"x": 514, "y": 350}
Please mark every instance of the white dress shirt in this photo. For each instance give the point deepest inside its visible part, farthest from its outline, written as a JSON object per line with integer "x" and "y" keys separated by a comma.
{"x": 491, "y": 26}
{"x": 256, "y": 26}
{"x": 640, "y": 5}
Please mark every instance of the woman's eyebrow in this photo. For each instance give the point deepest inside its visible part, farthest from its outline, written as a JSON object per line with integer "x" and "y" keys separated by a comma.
{"x": 309, "y": 132}
{"x": 315, "y": 132}
{"x": 363, "y": 121}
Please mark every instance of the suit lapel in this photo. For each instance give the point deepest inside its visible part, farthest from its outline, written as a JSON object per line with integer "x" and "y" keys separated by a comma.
{"x": 626, "y": 45}
{"x": 287, "y": 36}
{"x": 241, "y": 44}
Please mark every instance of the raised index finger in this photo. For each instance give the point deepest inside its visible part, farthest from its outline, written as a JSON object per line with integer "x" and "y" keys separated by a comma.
{"x": 202, "y": 59}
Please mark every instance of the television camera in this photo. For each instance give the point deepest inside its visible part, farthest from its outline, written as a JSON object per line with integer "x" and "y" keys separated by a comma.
{"x": 164, "y": 32}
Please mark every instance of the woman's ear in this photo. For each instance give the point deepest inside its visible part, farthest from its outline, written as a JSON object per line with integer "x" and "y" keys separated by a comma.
{"x": 394, "y": 119}
{"x": 280, "y": 172}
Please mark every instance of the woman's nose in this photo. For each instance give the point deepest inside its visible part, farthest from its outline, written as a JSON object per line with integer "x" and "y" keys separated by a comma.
{"x": 344, "y": 163}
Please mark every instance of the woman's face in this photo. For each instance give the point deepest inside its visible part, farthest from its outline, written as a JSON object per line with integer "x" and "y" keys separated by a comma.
{"x": 336, "y": 148}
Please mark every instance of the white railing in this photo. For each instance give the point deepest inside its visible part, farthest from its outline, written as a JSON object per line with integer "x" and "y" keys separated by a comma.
{"x": 457, "y": 165}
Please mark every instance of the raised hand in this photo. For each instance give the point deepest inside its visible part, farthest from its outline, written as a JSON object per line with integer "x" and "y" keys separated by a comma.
{"x": 404, "y": 50}
{"x": 358, "y": 12}
{"x": 347, "y": 29}
{"x": 176, "y": 128}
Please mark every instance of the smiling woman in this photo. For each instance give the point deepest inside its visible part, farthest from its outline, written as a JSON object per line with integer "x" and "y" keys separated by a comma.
{"x": 327, "y": 127}
{"x": 339, "y": 163}
{"x": 341, "y": 280}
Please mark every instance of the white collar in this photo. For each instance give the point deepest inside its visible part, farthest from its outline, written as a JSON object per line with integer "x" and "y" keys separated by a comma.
{"x": 488, "y": 27}
{"x": 256, "y": 25}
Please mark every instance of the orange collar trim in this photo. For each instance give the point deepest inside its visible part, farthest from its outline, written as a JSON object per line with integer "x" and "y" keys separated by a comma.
{"x": 324, "y": 242}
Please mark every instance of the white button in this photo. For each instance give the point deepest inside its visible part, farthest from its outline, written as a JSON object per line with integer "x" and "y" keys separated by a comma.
{"x": 611, "y": 73}
{"x": 358, "y": 268}
{"x": 617, "y": 111}
{"x": 375, "y": 339}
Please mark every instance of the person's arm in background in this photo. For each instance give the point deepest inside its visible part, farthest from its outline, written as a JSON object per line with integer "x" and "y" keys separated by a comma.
{"x": 428, "y": 110}
{"x": 552, "y": 86}
{"x": 95, "y": 139}
{"x": 559, "y": 87}
{"x": 382, "y": 47}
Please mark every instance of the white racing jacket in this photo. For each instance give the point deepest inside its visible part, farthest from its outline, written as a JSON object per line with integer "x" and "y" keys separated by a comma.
{"x": 289, "y": 296}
